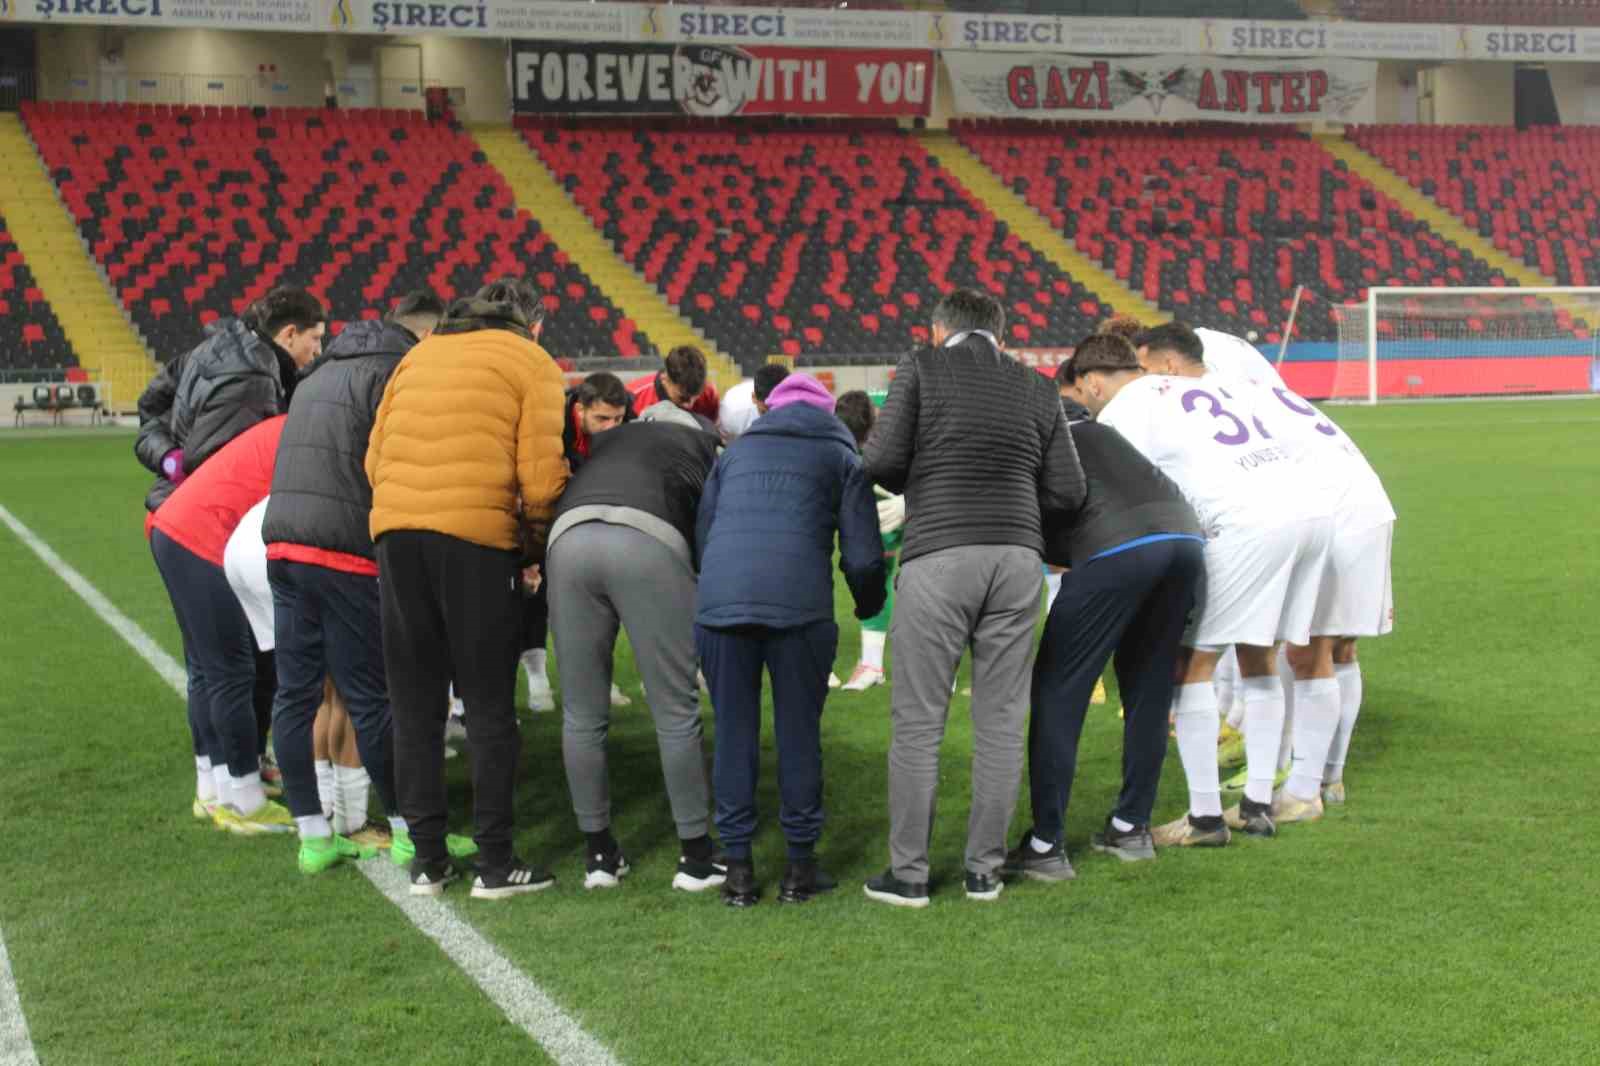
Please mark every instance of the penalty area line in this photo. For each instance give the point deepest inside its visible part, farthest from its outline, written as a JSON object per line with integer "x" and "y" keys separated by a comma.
{"x": 524, "y": 1003}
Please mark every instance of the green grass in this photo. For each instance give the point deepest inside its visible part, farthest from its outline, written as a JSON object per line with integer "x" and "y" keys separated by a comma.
{"x": 1445, "y": 915}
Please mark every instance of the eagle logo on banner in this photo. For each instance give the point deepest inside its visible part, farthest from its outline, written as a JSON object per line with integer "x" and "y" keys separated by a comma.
{"x": 712, "y": 92}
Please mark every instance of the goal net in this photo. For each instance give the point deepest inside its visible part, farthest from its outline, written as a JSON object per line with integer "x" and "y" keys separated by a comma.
{"x": 1423, "y": 342}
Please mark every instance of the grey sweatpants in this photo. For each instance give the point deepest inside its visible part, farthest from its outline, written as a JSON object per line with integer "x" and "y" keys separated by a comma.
{"x": 602, "y": 575}
{"x": 986, "y": 596}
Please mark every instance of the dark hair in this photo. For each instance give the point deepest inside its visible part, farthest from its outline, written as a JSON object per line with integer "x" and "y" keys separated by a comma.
{"x": 1173, "y": 337}
{"x": 964, "y": 309}
{"x": 686, "y": 366}
{"x": 284, "y": 306}
{"x": 768, "y": 377}
{"x": 418, "y": 303}
{"x": 1125, "y": 326}
{"x": 603, "y": 388}
{"x": 1103, "y": 352}
{"x": 855, "y": 410}
{"x": 519, "y": 293}
{"x": 1067, "y": 372}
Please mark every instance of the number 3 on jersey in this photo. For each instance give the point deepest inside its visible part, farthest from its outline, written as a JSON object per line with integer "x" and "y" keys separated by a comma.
{"x": 1238, "y": 433}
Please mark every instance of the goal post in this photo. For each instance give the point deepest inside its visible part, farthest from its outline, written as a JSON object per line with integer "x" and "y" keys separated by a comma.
{"x": 1418, "y": 342}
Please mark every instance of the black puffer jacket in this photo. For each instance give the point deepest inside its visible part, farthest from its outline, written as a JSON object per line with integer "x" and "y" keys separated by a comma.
{"x": 645, "y": 475}
{"x": 320, "y": 494}
{"x": 980, "y": 447}
{"x": 232, "y": 380}
{"x": 1128, "y": 498}
{"x": 155, "y": 437}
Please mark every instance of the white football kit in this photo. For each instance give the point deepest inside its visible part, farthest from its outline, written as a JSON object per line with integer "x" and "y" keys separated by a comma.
{"x": 1234, "y": 357}
{"x": 244, "y": 561}
{"x": 1267, "y": 535}
{"x": 1356, "y": 598}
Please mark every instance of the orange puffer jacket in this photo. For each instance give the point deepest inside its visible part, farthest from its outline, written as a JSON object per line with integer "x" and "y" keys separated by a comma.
{"x": 467, "y": 441}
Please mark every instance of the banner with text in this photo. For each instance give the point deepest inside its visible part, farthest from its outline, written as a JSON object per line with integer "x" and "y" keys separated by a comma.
{"x": 559, "y": 77}
{"x": 1171, "y": 88}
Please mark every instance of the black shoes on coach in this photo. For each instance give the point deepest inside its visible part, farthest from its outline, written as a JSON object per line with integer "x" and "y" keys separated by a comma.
{"x": 803, "y": 881}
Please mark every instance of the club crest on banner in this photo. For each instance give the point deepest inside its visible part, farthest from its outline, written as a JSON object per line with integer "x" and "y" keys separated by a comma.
{"x": 342, "y": 16}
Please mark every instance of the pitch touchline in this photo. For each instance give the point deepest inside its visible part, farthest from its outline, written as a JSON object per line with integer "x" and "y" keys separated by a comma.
{"x": 521, "y": 999}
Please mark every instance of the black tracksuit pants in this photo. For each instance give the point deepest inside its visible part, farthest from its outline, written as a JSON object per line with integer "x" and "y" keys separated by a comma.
{"x": 452, "y": 610}
{"x": 1129, "y": 607}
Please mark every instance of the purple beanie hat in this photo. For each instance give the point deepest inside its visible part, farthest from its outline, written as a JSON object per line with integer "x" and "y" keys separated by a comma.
{"x": 801, "y": 388}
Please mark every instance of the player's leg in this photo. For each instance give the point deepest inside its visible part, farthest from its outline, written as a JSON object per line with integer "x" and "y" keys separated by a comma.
{"x": 535, "y": 634}
{"x": 1146, "y": 661}
{"x": 586, "y": 624}
{"x": 1316, "y": 720}
{"x": 322, "y": 751}
{"x": 207, "y": 748}
{"x": 1347, "y": 672}
{"x": 351, "y": 785}
{"x": 1195, "y": 721}
{"x": 875, "y": 630}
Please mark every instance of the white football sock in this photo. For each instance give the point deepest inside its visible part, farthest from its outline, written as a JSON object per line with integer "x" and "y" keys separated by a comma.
{"x": 1316, "y": 721}
{"x": 1236, "y": 710}
{"x": 248, "y": 796}
{"x": 349, "y": 798}
{"x": 533, "y": 661}
{"x": 1120, "y": 826}
{"x": 872, "y": 645}
{"x": 205, "y": 787}
{"x": 1286, "y": 679}
{"x": 1194, "y": 715}
{"x": 1039, "y": 847}
{"x": 324, "y": 768}
{"x": 397, "y": 824}
{"x": 1052, "y": 589}
{"x": 314, "y": 825}
{"x": 1349, "y": 677}
{"x": 1263, "y": 732}
{"x": 221, "y": 783}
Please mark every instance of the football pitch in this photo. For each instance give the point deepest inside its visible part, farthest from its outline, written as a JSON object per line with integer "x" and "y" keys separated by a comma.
{"x": 1445, "y": 914}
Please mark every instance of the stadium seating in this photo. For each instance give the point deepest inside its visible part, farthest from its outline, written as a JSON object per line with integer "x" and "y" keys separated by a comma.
{"x": 800, "y": 238}
{"x": 194, "y": 212}
{"x": 1476, "y": 12}
{"x": 30, "y": 336}
{"x": 1532, "y": 192}
{"x": 1217, "y": 224}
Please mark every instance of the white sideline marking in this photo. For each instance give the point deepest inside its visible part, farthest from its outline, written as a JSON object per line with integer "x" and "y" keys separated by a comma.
{"x": 16, "y": 1047}
{"x": 523, "y": 1001}
{"x": 514, "y": 992}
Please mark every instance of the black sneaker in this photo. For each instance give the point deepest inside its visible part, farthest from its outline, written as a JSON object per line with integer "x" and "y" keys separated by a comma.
{"x": 986, "y": 887}
{"x": 1134, "y": 845}
{"x": 697, "y": 875}
{"x": 430, "y": 878}
{"x": 1052, "y": 865}
{"x": 739, "y": 888}
{"x": 803, "y": 881}
{"x": 886, "y": 888}
{"x": 1252, "y": 817}
{"x": 601, "y": 870}
{"x": 512, "y": 879}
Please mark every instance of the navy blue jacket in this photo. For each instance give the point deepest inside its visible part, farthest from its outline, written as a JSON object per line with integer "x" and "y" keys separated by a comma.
{"x": 764, "y": 532}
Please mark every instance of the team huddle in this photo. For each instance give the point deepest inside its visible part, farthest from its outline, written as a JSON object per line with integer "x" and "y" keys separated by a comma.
{"x": 362, "y": 542}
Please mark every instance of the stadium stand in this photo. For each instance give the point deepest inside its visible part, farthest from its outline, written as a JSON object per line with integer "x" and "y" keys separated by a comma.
{"x": 1531, "y": 192}
{"x": 1216, "y": 223}
{"x": 194, "y": 212}
{"x": 30, "y": 336}
{"x": 802, "y": 238}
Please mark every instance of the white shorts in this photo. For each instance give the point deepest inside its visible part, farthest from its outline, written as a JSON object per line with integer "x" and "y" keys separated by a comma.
{"x": 245, "y": 562}
{"x": 1357, "y": 595}
{"x": 1260, "y": 586}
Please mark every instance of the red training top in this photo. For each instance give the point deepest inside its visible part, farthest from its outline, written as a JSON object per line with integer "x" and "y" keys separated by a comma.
{"x": 202, "y": 513}
{"x": 646, "y": 394}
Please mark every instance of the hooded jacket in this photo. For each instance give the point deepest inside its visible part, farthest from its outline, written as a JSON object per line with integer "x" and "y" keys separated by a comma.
{"x": 232, "y": 380}
{"x": 155, "y": 438}
{"x": 645, "y": 475}
{"x": 765, "y": 532}
{"x": 979, "y": 446}
{"x": 321, "y": 500}
{"x": 467, "y": 441}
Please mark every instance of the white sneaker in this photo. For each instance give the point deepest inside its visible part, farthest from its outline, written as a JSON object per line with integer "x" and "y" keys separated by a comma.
{"x": 833, "y": 680}
{"x": 620, "y": 698}
{"x": 864, "y": 678}
{"x": 540, "y": 699}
